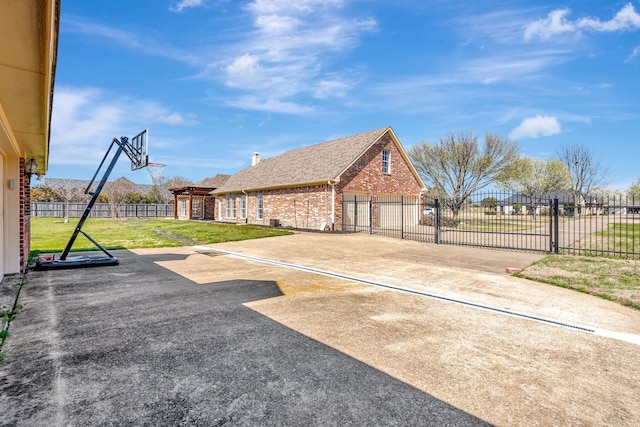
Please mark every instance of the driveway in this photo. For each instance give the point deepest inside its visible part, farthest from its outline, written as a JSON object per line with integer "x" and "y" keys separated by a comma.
{"x": 213, "y": 335}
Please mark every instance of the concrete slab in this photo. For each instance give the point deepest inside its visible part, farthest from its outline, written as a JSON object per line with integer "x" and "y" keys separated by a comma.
{"x": 190, "y": 336}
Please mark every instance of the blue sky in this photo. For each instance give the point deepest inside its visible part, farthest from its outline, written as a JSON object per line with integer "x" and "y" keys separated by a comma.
{"x": 215, "y": 80}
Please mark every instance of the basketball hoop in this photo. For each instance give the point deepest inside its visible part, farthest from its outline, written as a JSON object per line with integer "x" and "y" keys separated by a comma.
{"x": 155, "y": 170}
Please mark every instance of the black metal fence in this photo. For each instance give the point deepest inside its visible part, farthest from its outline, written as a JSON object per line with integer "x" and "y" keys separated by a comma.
{"x": 557, "y": 224}
{"x": 100, "y": 210}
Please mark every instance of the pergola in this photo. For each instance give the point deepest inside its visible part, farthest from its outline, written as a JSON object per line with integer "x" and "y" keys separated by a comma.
{"x": 195, "y": 196}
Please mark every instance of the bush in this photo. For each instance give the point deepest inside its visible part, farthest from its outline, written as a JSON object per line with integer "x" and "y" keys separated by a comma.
{"x": 430, "y": 220}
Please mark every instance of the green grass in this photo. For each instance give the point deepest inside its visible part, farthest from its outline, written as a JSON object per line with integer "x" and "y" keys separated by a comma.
{"x": 52, "y": 234}
{"x": 501, "y": 224}
{"x": 618, "y": 238}
{"x": 612, "y": 279}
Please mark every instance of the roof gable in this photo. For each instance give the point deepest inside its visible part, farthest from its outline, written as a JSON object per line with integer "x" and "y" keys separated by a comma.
{"x": 304, "y": 166}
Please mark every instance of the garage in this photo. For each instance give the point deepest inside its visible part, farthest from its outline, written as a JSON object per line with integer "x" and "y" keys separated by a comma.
{"x": 356, "y": 209}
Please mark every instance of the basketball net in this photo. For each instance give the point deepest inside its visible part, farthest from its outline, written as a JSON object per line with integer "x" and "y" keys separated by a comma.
{"x": 155, "y": 170}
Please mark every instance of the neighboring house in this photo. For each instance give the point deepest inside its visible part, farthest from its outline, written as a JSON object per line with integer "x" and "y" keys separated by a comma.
{"x": 305, "y": 187}
{"x": 196, "y": 201}
{"x": 540, "y": 204}
{"x": 28, "y": 52}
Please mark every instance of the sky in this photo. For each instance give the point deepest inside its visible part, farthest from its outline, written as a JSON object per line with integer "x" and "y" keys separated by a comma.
{"x": 215, "y": 80}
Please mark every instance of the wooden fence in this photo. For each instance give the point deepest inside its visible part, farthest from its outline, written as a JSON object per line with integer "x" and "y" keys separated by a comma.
{"x": 100, "y": 210}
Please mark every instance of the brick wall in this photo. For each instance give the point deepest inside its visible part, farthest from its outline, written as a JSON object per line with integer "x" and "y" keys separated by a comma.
{"x": 25, "y": 217}
{"x": 206, "y": 202}
{"x": 366, "y": 175}
{"x": 300, "y": 207}
{"x": 310, "y": 207}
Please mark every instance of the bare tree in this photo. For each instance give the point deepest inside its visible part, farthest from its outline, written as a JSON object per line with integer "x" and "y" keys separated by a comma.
{"x": 116, "y": 191}
{"x": 535, "y": 179}
{"x": 174, "y": 182}
{"x": 69, "y": 191}
{"x": 587, "y": 175}
{"x": 458, "y": 166}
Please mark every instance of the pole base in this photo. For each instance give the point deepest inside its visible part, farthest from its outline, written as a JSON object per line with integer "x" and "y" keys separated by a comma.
{"x": 75, "y": 262}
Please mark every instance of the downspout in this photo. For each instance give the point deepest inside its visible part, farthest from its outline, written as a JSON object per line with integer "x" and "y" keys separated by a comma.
{"x": 333, "y": 204}
{"x": 246, "y": 207}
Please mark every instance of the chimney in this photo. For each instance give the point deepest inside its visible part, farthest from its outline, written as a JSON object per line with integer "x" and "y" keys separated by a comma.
{"x": 255, "y": 159}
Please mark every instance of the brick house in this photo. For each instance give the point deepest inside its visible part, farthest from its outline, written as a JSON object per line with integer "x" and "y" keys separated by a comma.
{"x": 196, "y": 201}
{"x": 305, "y": 187}
{"x": 28, "y": 55}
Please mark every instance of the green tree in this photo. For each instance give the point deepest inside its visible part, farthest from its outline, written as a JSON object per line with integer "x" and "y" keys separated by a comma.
{"x": 490, "y": 203}
{"x": 458, "y": 165}
{"x": 535, "y": 179}
{"x": 634, "y": 190}
{"x": 135, "y": 199}
{"x": 42, "y": 193}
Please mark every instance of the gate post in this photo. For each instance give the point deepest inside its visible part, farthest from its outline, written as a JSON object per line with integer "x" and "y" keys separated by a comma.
{"x": 437, "y": 221}
{"x": 355, "y": 214}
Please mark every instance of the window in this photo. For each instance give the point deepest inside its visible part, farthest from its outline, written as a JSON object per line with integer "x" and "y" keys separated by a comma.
{"x": 243, "y": 206}
{"x": 386, "y": 164}
{"x": 195, "y": 208}
{"x": 231, "y": 205}
{"x": 259, "y": 210}
{"x": 183, "y": 208}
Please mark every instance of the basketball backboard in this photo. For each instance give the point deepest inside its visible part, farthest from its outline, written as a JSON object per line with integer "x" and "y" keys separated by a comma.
{"x": 140, "y": 149}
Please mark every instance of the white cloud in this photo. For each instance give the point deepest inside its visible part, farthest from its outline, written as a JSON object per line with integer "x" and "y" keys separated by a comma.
{"x": 554, "y": 23}
{"x": 634, "y": 54}
{"x": 290, "y": 53}
{"x": 626, "y": 19}
{"x": 269, "y": 105}
{"x": 331, "y": 88}
{"x": 85, "y": 120}
{"x": 184, "y": 4}
{"x": 534, "y": 127}
{"x": 127, "y": 38}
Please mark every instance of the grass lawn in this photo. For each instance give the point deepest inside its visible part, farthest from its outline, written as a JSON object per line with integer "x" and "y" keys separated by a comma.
{"x": 613, "y": 279}
{"x": 52, "y": 234}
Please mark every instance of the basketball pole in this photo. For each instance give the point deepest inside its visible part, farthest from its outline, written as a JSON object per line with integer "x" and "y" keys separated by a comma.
{"x": 92, "y": 261}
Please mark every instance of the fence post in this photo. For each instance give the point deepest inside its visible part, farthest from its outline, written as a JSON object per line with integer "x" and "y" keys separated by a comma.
{"x": 551, "y": 222}
{"x": 402, "y": 217}
{"x": 556, "y": 227}
{"x": 370, "y": 216}
{"x": 437, "y": 221}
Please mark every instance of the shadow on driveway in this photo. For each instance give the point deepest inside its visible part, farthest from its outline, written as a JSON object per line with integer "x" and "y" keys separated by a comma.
{"x": 138, "y": 344}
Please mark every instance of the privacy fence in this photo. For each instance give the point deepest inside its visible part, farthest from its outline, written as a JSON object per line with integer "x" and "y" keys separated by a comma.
{"x": 100, "y": 210}
{"x": 607, "y": 227}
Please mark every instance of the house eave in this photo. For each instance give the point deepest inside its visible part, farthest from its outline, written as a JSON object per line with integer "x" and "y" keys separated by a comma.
{"x": 277, "y": 187}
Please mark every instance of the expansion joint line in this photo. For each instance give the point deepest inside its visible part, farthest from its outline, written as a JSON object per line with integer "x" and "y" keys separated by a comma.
{"x": 631, "y": 338}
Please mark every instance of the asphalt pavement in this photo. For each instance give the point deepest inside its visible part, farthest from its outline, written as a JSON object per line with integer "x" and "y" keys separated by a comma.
{"x": 136, "y": 344}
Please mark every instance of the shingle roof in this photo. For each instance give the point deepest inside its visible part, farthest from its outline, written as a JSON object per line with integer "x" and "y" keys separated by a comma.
{"x": 307, "y": 165}
{"x": 213, "y": 182}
